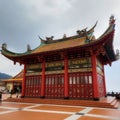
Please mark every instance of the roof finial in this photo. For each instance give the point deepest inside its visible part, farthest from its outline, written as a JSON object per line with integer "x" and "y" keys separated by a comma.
{"x": 64, "y": 36}
{"x": 28, "y": 48}
{"x": 111, "y": 20}
{"x": 4, "y": 46}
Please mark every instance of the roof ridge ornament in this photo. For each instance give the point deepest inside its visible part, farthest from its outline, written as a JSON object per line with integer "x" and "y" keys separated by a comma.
{"x": 82, "y": 32}
{"x": 40, "y": 37}
{"x": 49, "y": 38}
{"x": 28, "y": 48}
{"x": 4, "y": 46}
{"x": 112, "y": 20}
{"x": 64, "y": 36}
{"x": 42, "y": 40}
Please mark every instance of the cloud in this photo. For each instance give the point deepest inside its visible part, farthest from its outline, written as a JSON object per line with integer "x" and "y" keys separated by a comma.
{"x": 21, "y": 21}
{"x": 7, "y": 66}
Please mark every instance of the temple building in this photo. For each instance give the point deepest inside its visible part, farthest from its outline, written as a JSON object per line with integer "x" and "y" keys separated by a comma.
{"x": 70, "y": 67}
{"x": 14, "y": 82}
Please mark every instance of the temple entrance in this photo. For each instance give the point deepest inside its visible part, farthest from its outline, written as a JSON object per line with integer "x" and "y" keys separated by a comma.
{"x": 80, "y": 85}
{"x": 33, "y": 86}
{"x": 54, "y": 86}
{"x": 17, "y": 86}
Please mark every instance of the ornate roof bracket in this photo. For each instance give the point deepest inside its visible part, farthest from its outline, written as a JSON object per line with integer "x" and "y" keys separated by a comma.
{"x": 39, "y": 58}
{"x": 100, "y": 50}
{"x": 20, "y": 63}
{"x": 92, "y": 52}
{"x": 104, "y": 53}
{"x": 14, "y": 62}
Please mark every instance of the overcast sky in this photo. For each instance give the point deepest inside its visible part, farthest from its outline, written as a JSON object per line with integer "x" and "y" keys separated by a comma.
{"x": 21, "y": 21}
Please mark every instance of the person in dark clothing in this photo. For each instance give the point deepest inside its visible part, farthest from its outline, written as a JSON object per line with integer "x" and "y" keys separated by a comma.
{"x": 11, "y": 93}
{"x": 0, "y": 96}
{"x": 17, "y": 92}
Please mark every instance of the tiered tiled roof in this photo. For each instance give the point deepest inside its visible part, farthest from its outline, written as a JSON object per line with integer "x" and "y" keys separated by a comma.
{"x": 83, "y": 38}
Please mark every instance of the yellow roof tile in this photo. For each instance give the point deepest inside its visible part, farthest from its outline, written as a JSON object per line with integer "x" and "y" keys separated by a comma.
{"x": 61, "y": 45}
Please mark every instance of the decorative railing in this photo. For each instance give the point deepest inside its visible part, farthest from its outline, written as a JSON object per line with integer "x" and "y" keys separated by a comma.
{"x": 114, "y": 94}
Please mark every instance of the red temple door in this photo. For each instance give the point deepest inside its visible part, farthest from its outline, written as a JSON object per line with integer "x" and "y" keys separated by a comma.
{"x": 54, "y": 86}
{"x": 33, "y": 85}
{"x": 80, "y": 85}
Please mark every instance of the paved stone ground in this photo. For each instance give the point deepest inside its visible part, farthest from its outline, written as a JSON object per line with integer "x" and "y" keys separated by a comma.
{"x": 28, "y": 111}
{"x": 32, "y": 111}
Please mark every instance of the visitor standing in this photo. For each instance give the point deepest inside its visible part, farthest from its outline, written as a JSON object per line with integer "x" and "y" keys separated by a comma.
{"x": 0, "y": 96}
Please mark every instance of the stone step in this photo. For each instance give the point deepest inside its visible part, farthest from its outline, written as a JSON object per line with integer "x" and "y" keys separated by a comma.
{"x": 116, "y": 105}
{"x": 112, "y": 103}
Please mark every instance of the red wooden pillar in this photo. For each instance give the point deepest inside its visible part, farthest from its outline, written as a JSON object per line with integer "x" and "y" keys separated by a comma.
{"x": 66, "y": 82}
{"x": 104, "y": 83}
{"x": 43, "y": 80}
{"x": 94, "y": 78}
{"x": 24, "y": 81}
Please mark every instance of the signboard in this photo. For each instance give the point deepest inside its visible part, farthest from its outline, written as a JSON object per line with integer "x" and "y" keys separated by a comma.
{"x": 79, "y": 63}
{"x": 54, "y": 64}
{"x": 34, "y": 66}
